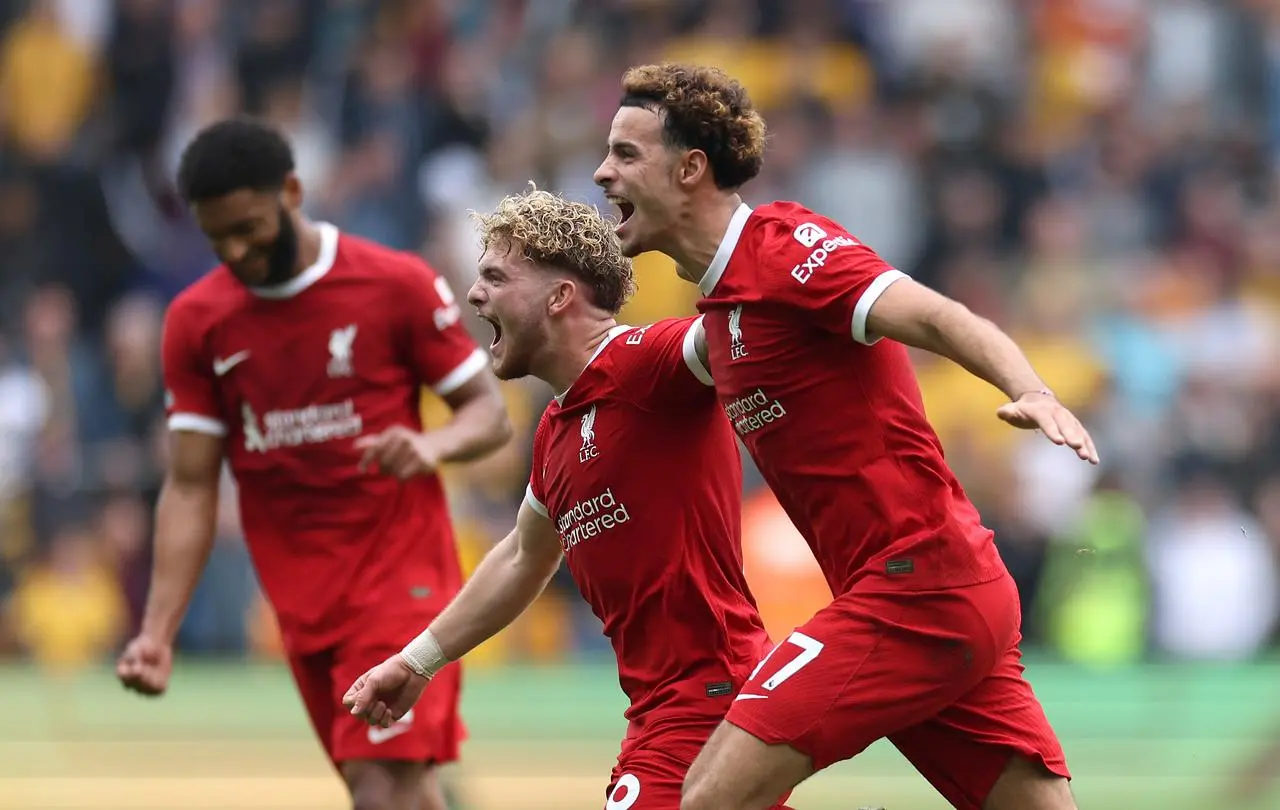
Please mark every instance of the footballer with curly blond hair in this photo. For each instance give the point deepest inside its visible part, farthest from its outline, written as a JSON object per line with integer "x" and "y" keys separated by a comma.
{"x": 636, "y": 483}
{"x": 921, "y": 642}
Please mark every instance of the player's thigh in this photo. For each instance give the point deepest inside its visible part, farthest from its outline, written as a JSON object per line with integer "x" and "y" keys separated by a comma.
{"x": 313, "y": 674}
{"x": 993, "y": 748}
{"x": 737, "y": 770}
{"x": 652, "y": 777}
{"x": 431, "y": 731}
{"x": 871, "y": 664}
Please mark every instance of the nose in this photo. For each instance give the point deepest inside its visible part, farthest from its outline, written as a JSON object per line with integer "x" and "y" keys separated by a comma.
{"x": 474, "y": 295}
{"x": 233, "y": 251}
{"x": 604, "y": 174}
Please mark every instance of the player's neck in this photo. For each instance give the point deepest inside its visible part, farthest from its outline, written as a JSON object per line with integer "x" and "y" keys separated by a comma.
{"x": 308, "y": 245}
{"x": 700, "y": 234}
{"x": 570, "y": 353}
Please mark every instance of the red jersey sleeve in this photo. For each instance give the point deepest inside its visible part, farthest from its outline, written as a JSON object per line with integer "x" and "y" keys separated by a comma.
{"x": 442, "y": 353}
{"x": 191, "y": 401}
{"x": 660, "y": 363}
{"x": 815, "y": 265}
{"x": 536, "y": 494}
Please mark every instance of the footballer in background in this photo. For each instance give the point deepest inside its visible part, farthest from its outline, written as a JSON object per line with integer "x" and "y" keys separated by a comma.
{"x": 636, "y": 485}
{"x": 300, "y": 361}
{"x": 921, "y": 642}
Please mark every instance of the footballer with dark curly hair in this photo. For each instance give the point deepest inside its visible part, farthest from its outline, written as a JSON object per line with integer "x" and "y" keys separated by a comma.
{"x": 920, "y": 644}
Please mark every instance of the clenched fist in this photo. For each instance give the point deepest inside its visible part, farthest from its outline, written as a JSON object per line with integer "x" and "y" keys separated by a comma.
{"x": 385, "y": 693}
{"x": 145, "y": 665}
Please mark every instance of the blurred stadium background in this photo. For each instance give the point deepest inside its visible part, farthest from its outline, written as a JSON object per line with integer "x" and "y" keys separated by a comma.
{"x": 1098, "y": 176}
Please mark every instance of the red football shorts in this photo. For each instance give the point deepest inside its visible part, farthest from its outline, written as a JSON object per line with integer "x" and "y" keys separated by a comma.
{"x": 937, "y": 672}
{"x": 650, "y": 773}
{"x": 431, "y": 732}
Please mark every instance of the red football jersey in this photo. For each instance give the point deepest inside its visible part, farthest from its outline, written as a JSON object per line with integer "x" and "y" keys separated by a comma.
{"x": 832, "y": 415}
{"x": 640, "y": 473}
{"x": 292, "y": 376}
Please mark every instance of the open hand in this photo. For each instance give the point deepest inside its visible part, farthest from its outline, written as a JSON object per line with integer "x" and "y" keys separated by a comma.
{"x": 385, "y": 693}
{"x": 1042, "y": 411}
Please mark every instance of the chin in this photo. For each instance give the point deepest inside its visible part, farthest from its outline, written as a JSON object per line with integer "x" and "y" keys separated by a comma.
{"x": 501, "y": 370}
{"x": 506, "y": 368}
{"x": 633, "y": 245}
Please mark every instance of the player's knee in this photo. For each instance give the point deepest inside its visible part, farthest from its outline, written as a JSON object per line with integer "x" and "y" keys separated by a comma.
{"x": 383, "y": 785}
{"x": 1029, "y": 785}
{"x": 371, "y": 795}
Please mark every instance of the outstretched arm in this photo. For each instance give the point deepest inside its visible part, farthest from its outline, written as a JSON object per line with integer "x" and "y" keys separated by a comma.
{"x": 503, "y": 586}
{"x": 911, "y": 313}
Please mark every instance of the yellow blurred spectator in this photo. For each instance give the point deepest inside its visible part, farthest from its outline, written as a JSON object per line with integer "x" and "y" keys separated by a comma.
{"x": 1081, "y": 61}
{"x": 660, "y": 293}
{"x": 68, "y": 611}
{"x": 46, "y": 83}
{"x": 805, "y": 62}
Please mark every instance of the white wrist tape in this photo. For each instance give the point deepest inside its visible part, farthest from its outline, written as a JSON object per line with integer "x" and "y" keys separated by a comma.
{"x": 423, "y": 655}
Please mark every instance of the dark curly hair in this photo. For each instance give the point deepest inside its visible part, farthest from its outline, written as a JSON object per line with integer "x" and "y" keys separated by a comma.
{"x": 233, "y": 154}
{"x": 702, "y": 108}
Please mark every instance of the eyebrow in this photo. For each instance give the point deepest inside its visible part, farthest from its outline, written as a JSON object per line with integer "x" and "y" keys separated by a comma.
{"x": 243, "y": 224}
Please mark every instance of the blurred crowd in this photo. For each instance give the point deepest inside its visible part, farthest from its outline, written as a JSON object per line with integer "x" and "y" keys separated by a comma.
{"x": 1097, "y": 176}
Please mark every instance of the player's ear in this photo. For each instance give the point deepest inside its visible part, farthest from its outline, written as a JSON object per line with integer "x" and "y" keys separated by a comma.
{"x": 560, "y": 295}
{"x": 291, "y": 193}
{"x": 693, "y": 166}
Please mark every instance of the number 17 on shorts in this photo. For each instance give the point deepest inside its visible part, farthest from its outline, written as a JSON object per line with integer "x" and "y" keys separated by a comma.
{"x": 804, "y": 650}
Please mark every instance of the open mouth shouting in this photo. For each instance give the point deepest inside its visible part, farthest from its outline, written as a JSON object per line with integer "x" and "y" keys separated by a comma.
{"x": 625, "y": 210}
{"x": 497, "y": 330}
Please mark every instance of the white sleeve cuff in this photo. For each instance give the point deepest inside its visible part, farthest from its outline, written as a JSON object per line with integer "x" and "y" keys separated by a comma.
{"x": 881, "y": 283}
{"x": 195, "y": 423}
{"x": 535, "y": 504}
{"x": 473, "y": 365}
{"x": 690, "y": 349}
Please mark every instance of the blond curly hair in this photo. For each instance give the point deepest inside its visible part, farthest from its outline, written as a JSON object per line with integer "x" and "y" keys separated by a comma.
{"x": 703, "y": 108}
{"x": 571, "y": 236}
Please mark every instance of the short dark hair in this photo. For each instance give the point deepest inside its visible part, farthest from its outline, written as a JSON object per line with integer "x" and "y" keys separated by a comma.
{"x": 233, "y": 154}
{"x": 702, "y": 108}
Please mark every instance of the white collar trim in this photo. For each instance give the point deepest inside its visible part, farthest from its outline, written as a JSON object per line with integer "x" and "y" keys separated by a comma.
{"x": 723, "y": 253}
{"x": 609, "y": 336}
{"x": 323, "y": 264}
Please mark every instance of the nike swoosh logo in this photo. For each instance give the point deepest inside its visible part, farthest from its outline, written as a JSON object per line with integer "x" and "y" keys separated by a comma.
{"x": 222, "y": 365}
{"x": 377, "y": 735}
{"x": 751, "y": 697}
